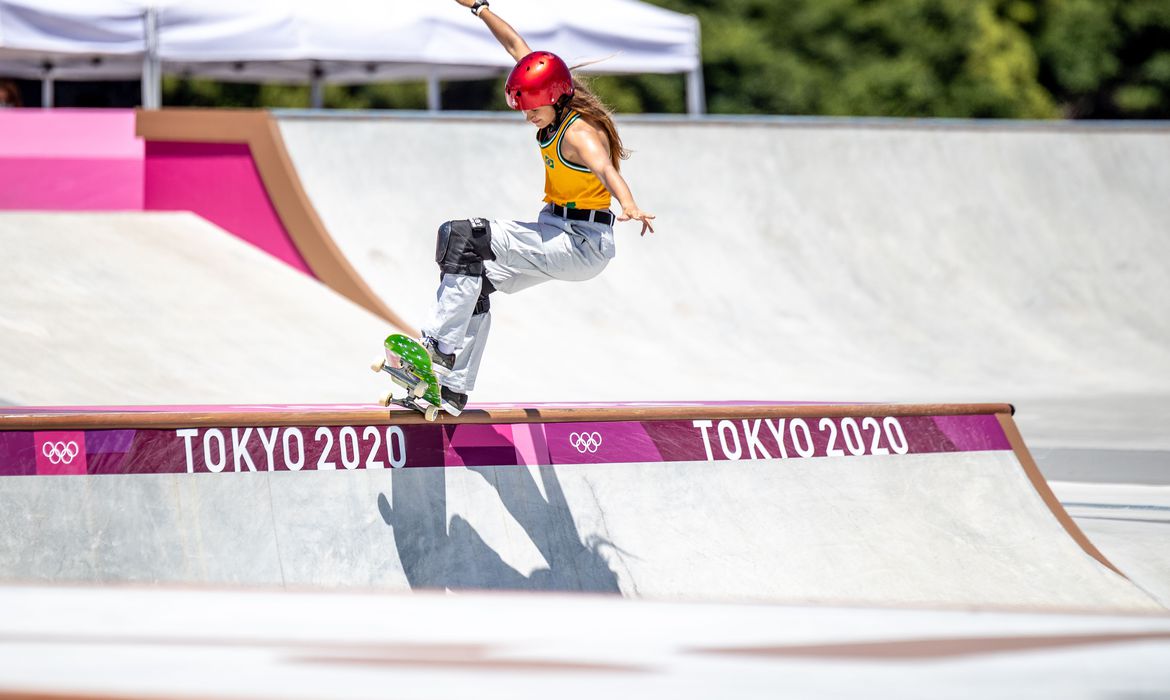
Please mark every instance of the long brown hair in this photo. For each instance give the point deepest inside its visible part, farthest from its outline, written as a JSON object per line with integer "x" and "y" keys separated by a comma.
{"x": 9, "y": 95}
{"x": 594, "y": 111}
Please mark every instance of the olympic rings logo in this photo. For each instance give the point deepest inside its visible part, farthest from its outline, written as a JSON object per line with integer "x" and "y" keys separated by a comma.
{"x": 60, "y": 452}
{"x": 585, "y": 442}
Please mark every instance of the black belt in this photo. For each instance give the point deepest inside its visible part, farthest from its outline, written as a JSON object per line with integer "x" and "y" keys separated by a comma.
{"x": 599, "y": 216}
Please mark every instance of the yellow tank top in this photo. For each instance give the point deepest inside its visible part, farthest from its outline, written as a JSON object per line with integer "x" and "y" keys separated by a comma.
{"x": 566, "y": 183}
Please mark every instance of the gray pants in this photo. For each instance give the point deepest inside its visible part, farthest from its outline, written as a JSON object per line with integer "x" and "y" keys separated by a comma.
{"x": 527, "y": 254}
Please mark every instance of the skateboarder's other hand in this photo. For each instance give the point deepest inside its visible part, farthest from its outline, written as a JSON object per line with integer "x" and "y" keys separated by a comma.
{"x": 636, "y": 214}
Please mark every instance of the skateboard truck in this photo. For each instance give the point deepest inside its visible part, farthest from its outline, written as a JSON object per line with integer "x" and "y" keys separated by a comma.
{"x": 409, "y": 365}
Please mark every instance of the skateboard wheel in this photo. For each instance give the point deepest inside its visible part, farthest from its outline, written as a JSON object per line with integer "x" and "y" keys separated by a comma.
{"x": 387, "y": 399}
{"x": 419, "y": 390}
{"x": 431, "y": 413}
{"x": 379, "y": 364}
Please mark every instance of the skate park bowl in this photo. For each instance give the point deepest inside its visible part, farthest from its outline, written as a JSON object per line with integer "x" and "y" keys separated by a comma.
{"x": 810, "y": 481}
{"x": 317, "y": 551}
{"x": 828, "y": 504}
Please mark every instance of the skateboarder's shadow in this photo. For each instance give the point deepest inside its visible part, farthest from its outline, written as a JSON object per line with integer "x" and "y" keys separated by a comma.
{"x": 437, "y": 555}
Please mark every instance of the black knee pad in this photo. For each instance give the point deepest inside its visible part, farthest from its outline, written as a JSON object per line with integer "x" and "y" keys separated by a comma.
{"x": 463, "y": 245}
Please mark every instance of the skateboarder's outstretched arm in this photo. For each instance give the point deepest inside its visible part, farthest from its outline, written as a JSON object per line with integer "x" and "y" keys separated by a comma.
{"x": 589, "y": 146}
{"x": 512, "y": 42}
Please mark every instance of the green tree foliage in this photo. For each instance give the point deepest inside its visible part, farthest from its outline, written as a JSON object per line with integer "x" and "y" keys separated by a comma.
{"x": 937, "y": 58}
{"x": 1105, "y": 58}
{"x": 904, "y": 58}
{"x": 892, "y": 58}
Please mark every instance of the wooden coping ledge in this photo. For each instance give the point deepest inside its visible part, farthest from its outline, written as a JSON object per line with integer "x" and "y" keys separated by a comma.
{"x": 114, "y": 418}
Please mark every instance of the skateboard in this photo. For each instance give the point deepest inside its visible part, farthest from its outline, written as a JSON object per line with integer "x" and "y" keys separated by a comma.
{"x": 409, "y": 365}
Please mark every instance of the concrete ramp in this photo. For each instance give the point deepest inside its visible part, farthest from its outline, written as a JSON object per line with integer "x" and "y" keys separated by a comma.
{"x": 842, "y": 260}
{"x": 859, "y": 504}
{"x": 167, "y": 308}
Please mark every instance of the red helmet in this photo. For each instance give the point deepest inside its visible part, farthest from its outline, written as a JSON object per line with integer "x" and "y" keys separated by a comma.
{"x": 540, "y": 78}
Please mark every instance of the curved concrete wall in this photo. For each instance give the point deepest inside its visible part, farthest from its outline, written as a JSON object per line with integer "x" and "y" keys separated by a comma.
{"x": 944, "y": 510}
{"x": 130, "y": 308}
{"x": 227, "y": 166}
{"x": 806, "y": 259}
{"x": 231, "y": 167}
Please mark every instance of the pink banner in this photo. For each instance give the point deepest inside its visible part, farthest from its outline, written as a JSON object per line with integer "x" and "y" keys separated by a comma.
{"x": 221, "y": 449}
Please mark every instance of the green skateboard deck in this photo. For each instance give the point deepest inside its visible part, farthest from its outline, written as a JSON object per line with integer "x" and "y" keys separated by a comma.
{"x": 409, "y": 365}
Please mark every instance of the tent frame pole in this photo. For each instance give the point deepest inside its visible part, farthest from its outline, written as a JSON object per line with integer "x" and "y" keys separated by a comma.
{"x": 151, "y": 62}
{"x": 47, "y": 88}
{"x": 434, "y": 92}
{"x": 317, "y": 87}
{"x": 696, "y": 91}
{"x": 696, "y": 99}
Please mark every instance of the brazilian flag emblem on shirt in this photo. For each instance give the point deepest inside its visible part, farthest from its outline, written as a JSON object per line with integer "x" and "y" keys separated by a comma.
{"x": 549, "y": 162}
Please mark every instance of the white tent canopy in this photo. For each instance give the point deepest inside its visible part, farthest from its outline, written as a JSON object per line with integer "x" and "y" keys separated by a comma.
{"x": 343, "y": 41}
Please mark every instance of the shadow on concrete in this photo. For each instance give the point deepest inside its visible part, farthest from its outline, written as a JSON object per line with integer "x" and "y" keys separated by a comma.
{"x": 435, "y": 555}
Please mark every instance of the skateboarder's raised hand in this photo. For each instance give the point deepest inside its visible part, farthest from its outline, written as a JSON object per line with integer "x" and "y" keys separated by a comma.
{"x": 513, "y": 42}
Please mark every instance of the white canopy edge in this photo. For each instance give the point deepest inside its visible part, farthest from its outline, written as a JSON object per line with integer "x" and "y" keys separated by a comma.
{"x": 299, "y": 41}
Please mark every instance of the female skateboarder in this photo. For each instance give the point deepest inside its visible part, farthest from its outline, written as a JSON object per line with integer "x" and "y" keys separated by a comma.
{"x": 572, "y": 239}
